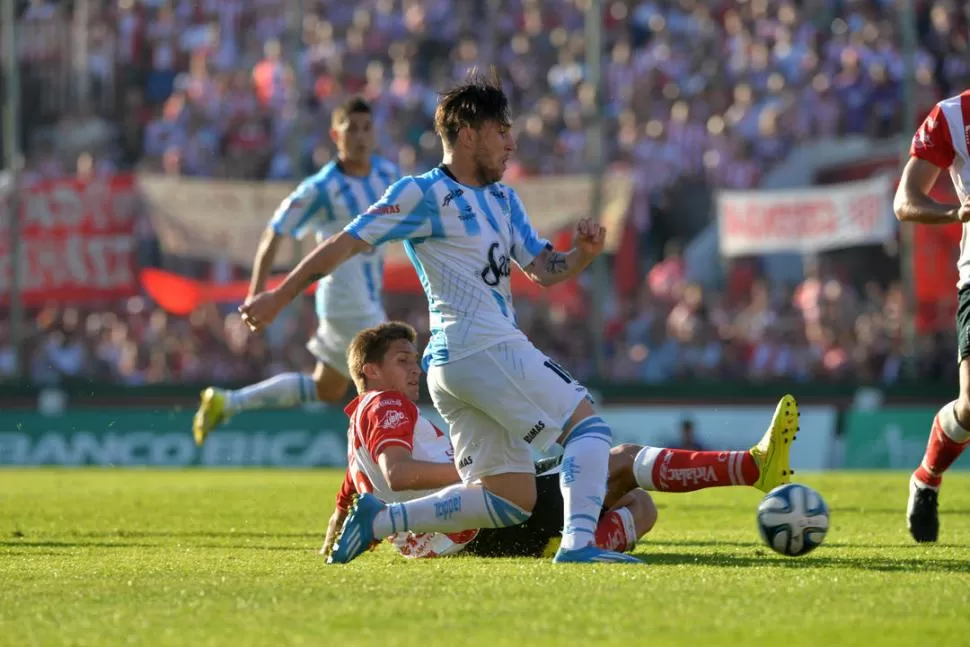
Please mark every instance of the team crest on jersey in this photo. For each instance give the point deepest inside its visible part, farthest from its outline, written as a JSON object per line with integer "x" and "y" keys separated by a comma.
{"x": 393, "y": 419}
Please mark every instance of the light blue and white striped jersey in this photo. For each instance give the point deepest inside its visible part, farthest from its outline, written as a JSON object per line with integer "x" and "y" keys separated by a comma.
{"x": 323, "y": 204}
{"x": 461, "y": 241}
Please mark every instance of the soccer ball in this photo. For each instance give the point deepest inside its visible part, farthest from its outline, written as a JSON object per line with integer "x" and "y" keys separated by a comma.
{"x": 793, "y": 519}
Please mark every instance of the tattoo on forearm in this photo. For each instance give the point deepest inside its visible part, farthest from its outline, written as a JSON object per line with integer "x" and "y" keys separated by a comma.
{"x": 556, "y": 263}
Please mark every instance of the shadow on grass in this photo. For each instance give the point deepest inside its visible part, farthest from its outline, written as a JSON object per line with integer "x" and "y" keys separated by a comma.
{"x": 808, "y": 562}
{"x": 714, "y": 543}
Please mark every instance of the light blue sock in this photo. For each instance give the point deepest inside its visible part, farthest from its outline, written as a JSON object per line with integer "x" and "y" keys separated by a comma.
{"x": 279, "y": 392}
{"x": 453, "y": 509}
{"x": 585, "y": 468}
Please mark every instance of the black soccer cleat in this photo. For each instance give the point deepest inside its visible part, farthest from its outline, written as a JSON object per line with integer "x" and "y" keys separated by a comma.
{"x": 922, "y": 516}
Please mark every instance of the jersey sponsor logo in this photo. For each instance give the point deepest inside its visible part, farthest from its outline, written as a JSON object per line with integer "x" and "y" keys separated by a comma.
{"x": 389, "y": 402}
{"x": 497, "y": 268}
{"x": 539, "y": 426}
{"x": 497, "y": 193}
{"x": 385, "y": 209}
{"x": 466, "y": 214}
{"x": 465, "y": 462}
{"x": 452, "y": 195}
{"x": 393, "y": 419}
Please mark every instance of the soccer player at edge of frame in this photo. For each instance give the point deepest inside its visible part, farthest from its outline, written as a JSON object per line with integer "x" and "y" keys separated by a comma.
{"x": 348, "y": 300}
{"x": 940, "y": 144}
{"x": 462, "y": 229}
{"x": 397, "y": 455}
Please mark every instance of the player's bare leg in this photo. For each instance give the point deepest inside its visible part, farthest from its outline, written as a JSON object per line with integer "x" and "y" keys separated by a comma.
{"x": 331, "y": 384}
{"x": 949, "y": 436}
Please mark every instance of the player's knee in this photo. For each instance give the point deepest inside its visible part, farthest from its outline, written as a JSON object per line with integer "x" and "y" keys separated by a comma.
{"x": 518, "y": 489}
{"x": 621, "y": 465}
{"x": 644, "y": 512}
{"x": 330, "y": 385}
{"x": 525, "y": 501}
{"x": 330, "y": 392}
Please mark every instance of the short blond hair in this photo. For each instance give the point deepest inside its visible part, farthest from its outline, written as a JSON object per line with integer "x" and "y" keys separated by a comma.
{"x": 370, "y": 345}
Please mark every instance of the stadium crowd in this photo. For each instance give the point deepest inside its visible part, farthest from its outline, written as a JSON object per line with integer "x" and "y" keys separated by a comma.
{"x": 713, "y": 90}
{"x": 819, "y": 330}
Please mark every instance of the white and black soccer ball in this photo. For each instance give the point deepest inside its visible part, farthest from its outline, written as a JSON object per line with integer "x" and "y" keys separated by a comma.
{"x": 793, "y": 519}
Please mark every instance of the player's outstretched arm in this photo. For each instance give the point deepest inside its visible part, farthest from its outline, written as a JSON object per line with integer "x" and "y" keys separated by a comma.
{"x": 551, "y": 266}
{"x": 403, "y": 472}
{"x": 269, "y": 242}
{"x": 913, "y": 202}
{"x": 261, "y": 310}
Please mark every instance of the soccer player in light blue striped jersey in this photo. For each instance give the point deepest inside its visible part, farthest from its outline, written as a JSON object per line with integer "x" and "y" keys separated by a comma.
{"x": 349, "y": 299}
{"x": 501, "y": 397}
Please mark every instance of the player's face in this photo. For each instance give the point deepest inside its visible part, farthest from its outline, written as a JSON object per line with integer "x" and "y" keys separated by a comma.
{"x": 355, "y": 137}
{"x": 400, "y": 369}
{"x": 494, "y": 146}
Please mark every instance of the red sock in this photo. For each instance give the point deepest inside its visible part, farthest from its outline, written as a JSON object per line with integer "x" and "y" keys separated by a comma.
{"x": 941, "y": 449}
{"x": 616, "y": 531}
{"x": 680, "y": 470}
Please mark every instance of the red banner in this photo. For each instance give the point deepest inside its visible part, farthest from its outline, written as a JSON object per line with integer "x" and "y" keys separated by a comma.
{"x": 77, "y": 241}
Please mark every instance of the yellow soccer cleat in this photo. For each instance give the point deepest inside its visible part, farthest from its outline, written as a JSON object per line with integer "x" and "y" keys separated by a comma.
{"x": 211, "y": 413}
{"x": 772, "y": 452}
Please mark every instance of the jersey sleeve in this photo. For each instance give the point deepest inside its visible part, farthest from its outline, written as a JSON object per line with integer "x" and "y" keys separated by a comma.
{"x": 389, "y": 422}
{"x": 526, "y": 243}
{"x": 345, "y": 497}
{"x": 933, "y": 141}
{"x": 296, "y": 213}
{"x": 402, "y": 213}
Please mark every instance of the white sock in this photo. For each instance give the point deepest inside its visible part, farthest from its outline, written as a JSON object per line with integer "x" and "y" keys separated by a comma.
{"x": 279, "y": 392}
{"x": 585, "y": 468}
{"x": 453, "y": 509}
{"x": 643, "y": 467}
{"x": 951, "y": 426}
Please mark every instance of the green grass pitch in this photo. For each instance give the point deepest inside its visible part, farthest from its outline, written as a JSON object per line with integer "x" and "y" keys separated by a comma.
{"x": 104, "y": 557}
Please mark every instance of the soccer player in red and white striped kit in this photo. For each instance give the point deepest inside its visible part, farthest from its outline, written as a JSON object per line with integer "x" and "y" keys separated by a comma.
{"x": 941, "y": 144}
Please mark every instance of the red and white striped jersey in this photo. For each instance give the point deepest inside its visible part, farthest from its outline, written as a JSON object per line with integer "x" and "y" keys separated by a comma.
{"x": 383, "y": 419}
{"x": 943, "y": 140}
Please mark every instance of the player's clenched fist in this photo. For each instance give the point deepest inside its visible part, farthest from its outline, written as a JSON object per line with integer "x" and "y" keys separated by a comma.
{"x": 261, "y": 310}
{"x": 964, "y": 213}
{"x": 590, "y": 237}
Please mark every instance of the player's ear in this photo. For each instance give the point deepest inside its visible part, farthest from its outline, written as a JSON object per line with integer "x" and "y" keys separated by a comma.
{"x": 467, "y": 136}
{"x": 334, "y": 135}
{"x": 371, "y": 371}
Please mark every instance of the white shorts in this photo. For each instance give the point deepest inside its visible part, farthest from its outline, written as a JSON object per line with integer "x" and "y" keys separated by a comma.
{"x": 500, "y": 404}
{"x": 329, "y": 344}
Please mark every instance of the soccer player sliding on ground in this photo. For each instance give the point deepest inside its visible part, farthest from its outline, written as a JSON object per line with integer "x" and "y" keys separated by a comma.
{"x": 397, "y": 455}
{"x": 501, "y": 396}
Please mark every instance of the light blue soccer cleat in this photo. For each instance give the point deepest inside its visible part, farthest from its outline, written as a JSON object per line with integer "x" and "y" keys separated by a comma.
{"x": 592, "y": 555}
{"x": 357, "y": 534}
